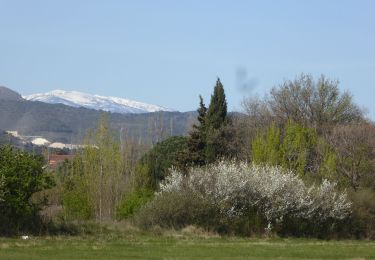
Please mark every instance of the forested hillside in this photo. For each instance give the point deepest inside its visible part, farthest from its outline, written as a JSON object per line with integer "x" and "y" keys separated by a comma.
{"x": 66, "y": 124}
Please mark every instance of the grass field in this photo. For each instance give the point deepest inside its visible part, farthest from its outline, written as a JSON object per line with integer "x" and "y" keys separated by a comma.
{"x": 180, "y": 247}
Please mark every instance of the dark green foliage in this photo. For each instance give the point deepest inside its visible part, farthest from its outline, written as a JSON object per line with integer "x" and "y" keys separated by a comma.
{"x": 21, "y": 176}
{"x": 132, "y": 202}
{"x": 301, "y": 228}
{"x": 220, "y": 143}
{"x": 74, "y": 195}
{"x": 76, "y": 200}
{"x": 216, "y": 119}
{"x": 156, "y": 163}
{"x": 212, "y": 137}
{"x": 217, "y": 110}
{"x": 197, "y": 139}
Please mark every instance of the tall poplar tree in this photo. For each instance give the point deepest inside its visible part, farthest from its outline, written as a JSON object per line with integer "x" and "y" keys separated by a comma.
{"x": 100, "y": 183}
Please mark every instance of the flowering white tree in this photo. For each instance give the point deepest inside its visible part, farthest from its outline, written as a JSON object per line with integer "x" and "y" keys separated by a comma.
{"x": 275, "y": 193}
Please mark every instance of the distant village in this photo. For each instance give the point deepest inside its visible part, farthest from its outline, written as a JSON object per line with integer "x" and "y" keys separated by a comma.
{"x": 55, "y": 152}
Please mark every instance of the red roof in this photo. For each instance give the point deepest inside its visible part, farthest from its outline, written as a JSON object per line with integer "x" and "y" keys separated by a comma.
{"x": 55, "y": 159}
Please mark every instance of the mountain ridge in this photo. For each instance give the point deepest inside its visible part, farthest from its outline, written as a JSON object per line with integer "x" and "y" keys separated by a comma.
{"x": 69, "y": 124}
{"x": 8, "y": 94}
{"x": 106, "y": 103}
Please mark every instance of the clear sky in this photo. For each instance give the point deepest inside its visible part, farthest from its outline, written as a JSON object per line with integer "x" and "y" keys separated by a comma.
{"x": 169, "y": 52}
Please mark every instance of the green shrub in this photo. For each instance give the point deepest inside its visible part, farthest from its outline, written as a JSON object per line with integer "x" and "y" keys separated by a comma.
{"x": 21, "y": 176}
{"x": 133, "y": 202}
{"x": 160, "y": 158}
{"x": 177, "y": 210}
{"x": 76, "y": 203}
{"x": 363, "y": 215}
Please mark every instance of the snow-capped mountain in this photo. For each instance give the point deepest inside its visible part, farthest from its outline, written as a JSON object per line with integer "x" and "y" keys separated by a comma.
{"x": 79, "y": 99}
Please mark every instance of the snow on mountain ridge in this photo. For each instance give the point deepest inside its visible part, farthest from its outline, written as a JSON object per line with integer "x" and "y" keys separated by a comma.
{"x": 79, "y": 99}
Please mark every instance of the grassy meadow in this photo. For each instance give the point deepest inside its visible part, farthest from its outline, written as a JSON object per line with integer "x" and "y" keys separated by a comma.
{"x": 180, "y": 246}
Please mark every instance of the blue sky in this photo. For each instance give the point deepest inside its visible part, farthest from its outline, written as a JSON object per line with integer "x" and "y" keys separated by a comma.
{"x": 169, "y": 52}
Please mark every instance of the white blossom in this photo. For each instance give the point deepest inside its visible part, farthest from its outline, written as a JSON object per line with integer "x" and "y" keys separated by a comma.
{"x": 235, "y": 187}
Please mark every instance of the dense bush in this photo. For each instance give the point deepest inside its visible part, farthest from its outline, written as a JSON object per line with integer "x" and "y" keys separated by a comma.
{"x": 21, "y": 176}
{"x": 132, "y": 202}
{"x": 155, "y": 164}
{"x": 362, "y": 224}
{"x": 76, "y": 201}
{"x": 227, "y": 193}
{"x": 177, "y": 210}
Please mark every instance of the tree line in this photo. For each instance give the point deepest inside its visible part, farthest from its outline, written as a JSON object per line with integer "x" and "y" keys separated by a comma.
{"x": 305, "y": 131}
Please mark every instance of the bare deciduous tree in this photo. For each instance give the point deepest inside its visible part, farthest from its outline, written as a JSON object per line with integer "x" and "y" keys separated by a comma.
{"x": 355, "y": 147}
{"x": 316, "y": 104}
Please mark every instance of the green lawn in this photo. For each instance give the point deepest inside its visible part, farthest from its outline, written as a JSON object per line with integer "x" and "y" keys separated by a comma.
{"x": 172, "y": 247}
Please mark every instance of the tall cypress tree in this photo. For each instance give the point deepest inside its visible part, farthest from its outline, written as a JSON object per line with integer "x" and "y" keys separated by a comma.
{"x": 197, "y": 139}
{"x": 216, "y": 120}
{"x": 202, "y": 111}
{"x": 209, "y": 138}
{"x": 217, "y": 110}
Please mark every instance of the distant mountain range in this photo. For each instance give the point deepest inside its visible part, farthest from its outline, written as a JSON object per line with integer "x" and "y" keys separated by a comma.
{"x": 8, "y": 94}
{"x": 69, "y": 122}
{"x": 110, "y": 104}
